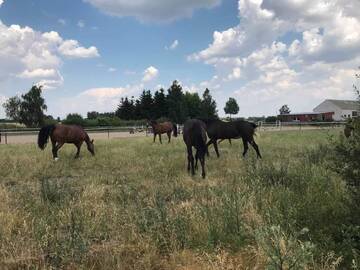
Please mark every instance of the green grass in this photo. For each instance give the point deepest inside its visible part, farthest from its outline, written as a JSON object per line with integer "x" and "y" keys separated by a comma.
{"x": 134, "y": 206}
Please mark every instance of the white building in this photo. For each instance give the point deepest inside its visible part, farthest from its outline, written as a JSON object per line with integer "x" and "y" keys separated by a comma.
{"x": 342, "y": 108}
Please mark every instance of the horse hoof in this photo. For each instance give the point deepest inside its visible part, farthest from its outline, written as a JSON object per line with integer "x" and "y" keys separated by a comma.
{"x": 56, "y": 159}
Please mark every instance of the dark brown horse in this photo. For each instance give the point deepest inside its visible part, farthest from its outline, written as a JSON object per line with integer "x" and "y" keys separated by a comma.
{"x": 194, "y": 135}
{"x": 348, "y": 130}
{"x": 166, "y": 127}
{"x": 220, "y": 130}
{"x": 61, "y": 134}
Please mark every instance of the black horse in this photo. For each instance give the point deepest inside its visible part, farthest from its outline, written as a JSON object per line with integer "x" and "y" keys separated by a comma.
{"x": 220, "y": 130}
{"x": 194, "y": 135}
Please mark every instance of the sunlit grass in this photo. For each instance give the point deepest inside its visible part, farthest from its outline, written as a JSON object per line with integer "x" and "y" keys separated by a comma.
{"x": 134, "y": 206}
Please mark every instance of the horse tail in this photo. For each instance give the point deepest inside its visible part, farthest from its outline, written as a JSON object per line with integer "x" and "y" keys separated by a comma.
{"x": 44, "y": 135}
{"x": 200, "y": 139}
{"x": 175, "y": 130}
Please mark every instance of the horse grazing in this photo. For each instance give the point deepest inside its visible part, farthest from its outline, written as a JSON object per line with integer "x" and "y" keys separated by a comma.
{"x": 194, "y": 135}
{"x": 61, "y": 134}
{"x": 220, "y": 130}
{"x": 348, "y": 130}
{"x": 166, "y": 127}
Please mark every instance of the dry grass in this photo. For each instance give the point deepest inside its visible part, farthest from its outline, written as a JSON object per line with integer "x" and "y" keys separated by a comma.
{"x": 134, "y": 206}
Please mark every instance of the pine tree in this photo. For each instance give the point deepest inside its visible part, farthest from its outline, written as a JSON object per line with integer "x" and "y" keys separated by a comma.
{"x": 176, "y": 104}
{"x": 160, "y": 105}
{"x": 208, "y": 106}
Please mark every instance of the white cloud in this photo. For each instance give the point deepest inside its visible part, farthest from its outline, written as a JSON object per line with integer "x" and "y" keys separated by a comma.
{"x": 28, "y": 54}
{"x": 150, "y": 73}
{"x": 285, "y": 51}
{"x": 158, "y": 11}
{"x": 173, "y": 45}
{"x": 81, "y": 24}
{"x": 102, "y": 99}
{"x": 72, "y": 49}
{"x": 111, "y": 69}
{"x": 38, "y": 73}
{"x": 1, "y": 2}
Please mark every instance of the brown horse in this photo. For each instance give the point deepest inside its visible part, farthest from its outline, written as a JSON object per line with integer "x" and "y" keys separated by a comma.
{"x": 166, "y": 127}
{"x": 61, "y": 134}
{"x": 348, "y": 130}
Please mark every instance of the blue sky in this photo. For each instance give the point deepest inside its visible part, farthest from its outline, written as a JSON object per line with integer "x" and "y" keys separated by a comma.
{"x": 90, "y": 53}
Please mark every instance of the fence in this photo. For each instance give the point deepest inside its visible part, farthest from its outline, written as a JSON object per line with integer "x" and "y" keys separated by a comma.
{"x": 278, "y": 126}
{"x": 5, "y": 134}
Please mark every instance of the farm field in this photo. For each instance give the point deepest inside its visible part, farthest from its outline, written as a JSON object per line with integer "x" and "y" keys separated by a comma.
{"x": 134, "y": 206}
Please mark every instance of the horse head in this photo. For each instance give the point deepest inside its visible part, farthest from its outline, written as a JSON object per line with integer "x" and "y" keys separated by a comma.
{"x": 90, "y": 147}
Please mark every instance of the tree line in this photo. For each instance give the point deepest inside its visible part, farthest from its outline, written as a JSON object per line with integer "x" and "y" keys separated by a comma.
{"x": 174, "y": 104}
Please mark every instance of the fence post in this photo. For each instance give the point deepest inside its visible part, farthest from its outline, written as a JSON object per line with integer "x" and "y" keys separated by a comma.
{"x": 108, "y": 133}
{"x": 5, "y": 138}
{"x": 0, "y": 137}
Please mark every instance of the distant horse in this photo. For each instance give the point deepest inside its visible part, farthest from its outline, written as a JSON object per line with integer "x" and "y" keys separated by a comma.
{"x": 61, "y": 134}
{"x": 220, "y": 130}
{"x": 194, "y": 135}
{"x": 348, "y": 130}
{"x": 166, "y": 127}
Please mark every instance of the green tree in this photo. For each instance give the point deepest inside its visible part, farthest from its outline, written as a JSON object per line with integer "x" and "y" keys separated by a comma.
{"x": 125, "y": 109}
{"x": 32, "y": 107}
{"x": 193, "y": 104}
{"x": 176, "y": 104}
{"x": 146, "y": 105}
{"x": 74, "y": 119}
{"x": 92, "y": 115}
{"x": 160, "y": 106}
{"x": 12, "y": 108}
{"x": 231, "y": 107}
{"x": 284, "y": 109}
{"x": 29, "y": 109}
{"x": 208, "y": 106}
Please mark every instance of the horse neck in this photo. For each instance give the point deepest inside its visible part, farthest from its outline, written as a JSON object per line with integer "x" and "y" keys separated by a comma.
{"x": 87, "y": 139}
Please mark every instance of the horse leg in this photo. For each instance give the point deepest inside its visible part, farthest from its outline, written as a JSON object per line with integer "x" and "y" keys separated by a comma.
{"x": 78, "y": 146}
{"x": 255, "y": 146}
{"x": 246, "y": 147}
{"x": 154, "y": 137}
{"x": 169, "y": 136}
{"x": 190, "y": 160}
{"x": 196, "y": 159}
{"x": 160, "y": 138}
{"x": 216, "y": 148}
{"x": 207, "y": 147}
{"x": 202, "y": 161}
{"x": 230, "y": 141}
{"x": 57, "y": 147}
{"x": 54, "y": 152}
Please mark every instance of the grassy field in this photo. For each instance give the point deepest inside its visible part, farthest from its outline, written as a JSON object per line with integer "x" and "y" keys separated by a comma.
{"x": 133, "y": 206}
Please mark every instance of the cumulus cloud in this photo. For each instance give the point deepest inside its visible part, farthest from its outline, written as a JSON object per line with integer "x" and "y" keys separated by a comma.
{"x": 286, "y": 51}
{"x": 28, "y": 54}
{"x": 150, "y": 73}
{"x": 155, "y": 11}
{"x": 173, "y": 45}
{"x": 102, "y": 99}
{"x": 72, "y": 49}
{"x": 1, "y": 2}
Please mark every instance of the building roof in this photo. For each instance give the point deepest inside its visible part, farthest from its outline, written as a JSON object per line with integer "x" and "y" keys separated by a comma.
{"x": 346, "y": 104}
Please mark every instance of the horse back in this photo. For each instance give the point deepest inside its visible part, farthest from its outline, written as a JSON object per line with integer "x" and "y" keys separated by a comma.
{"x": 69, "y": 133}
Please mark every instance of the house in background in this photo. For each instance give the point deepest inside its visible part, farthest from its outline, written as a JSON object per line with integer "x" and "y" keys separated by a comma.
{"x": 342, "y": 109}
{"x": 306, "y": 117}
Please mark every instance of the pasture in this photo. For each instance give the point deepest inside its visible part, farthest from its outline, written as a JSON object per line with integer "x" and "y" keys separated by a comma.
{"x": 134, "y": 206}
